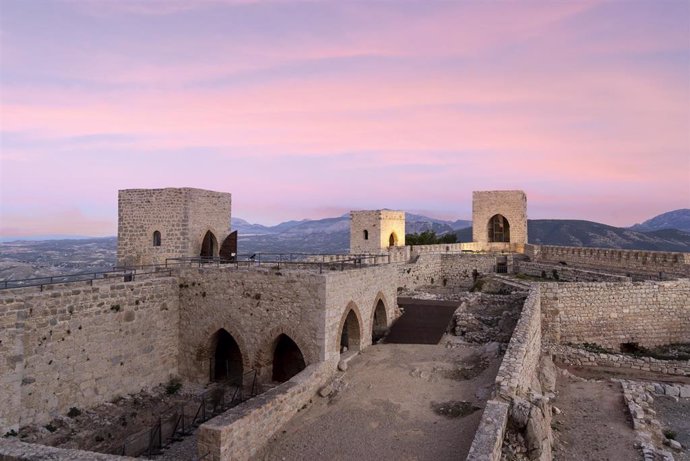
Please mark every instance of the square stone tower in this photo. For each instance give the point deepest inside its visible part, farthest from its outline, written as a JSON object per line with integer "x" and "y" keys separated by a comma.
{"x": 376, "y": 231}
{"x": 155, "y": 224}
{"x": 499, "y": 216}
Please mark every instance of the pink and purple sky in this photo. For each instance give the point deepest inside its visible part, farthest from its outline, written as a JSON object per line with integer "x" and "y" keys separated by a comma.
{"x": 307, "y": 110}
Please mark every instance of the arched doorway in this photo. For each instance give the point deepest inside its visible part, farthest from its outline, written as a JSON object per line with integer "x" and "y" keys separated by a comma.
{"x": 499, "y": 229}
{"x": 226, "y": 363}
{"x": 287, "y": 359}
{"x": 392, "y": 240}
{"x": 349, "y": 336}
{"x": 228, "y": 250}
{"x": 209, "y": 245}
{"x": 379, "y": 325}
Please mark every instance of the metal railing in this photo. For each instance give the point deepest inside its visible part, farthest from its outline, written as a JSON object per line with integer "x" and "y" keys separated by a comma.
{"x": 317, "y": 262}
{"x": 179, "y": 421}
{"x": 127, "y": 275}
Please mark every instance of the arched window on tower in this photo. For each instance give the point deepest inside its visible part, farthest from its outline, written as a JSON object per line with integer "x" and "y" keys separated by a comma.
{"x": 366, "y": 234}
{"x": 156, "y": 238}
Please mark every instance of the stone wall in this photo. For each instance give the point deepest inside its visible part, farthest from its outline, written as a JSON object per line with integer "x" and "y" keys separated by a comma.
{"x": 15, "y": 450}
{"x": 181, "y": 215}
{"x": 255, "y": 306}
{"x": 242, "y": 431}
{"x": 565, "y": 273}
{"x": 609, "y": 314}
{"x": 488, "y": 440}
{"x": 379, "y": 225}
{"x": 511, "y": 204}
{"x": 580, "y": 357}
{"x": 360, "y": 291}
{"x": 626, "y": 261}
{"x": 80, "y": 344}
{"x": 452, "y": 270}
{"x": 518, "y": 369}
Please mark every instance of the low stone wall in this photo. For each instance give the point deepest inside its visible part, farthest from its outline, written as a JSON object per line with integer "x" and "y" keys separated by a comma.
{"x": 453, "y": 270}
{"x": 81, "y": 344}
{"x": 610, "y": 314}
{"x": 519, "y": 366}
{"x": 14, "y": 450}
{"x": 650, "y": 262}
{"x": 565, "y": 273}
{"x": 575, "y": 356}
{"x": 239, "y": 433}
{"x": 517, "y": 380}
{"x": 488, "y": 440}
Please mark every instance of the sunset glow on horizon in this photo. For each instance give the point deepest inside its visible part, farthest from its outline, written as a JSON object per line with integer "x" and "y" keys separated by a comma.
{"x": 311, "y": 109}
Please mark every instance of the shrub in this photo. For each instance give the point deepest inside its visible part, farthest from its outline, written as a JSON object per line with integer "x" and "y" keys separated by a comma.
{"x": 74, "y": 412}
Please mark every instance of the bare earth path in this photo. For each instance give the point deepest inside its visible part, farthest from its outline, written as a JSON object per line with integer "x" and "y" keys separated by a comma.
{"x": 594, "y": 424}
{"x": 395, "y": 406}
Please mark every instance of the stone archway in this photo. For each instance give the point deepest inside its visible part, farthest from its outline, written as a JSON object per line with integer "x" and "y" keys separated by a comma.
{"x": 288, "y": 359}
{"x": 226, "y": 361}
{"x": 350, "y": 329}
{"x": 379, "y": 322}
{"x": 499, "y": 229}
{"x": 393, "y": 239}
{"x": 209, "y": 246}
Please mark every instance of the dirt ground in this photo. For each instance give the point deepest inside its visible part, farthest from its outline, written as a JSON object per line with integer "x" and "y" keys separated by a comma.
{"x": 593, "y": 423}
{"x": 398, "y": 402}
{"x": 675, "y": 417}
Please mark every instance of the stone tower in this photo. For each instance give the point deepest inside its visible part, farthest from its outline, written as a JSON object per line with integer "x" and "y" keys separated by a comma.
{"x": 376, "y": 231}
{"x": 499, "y": 216}
{"x": 155, "y": 224}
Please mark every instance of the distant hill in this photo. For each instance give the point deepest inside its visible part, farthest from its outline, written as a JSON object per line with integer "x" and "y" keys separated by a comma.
{"x": 567, "y": 232}
{"x": 677, "y": 219}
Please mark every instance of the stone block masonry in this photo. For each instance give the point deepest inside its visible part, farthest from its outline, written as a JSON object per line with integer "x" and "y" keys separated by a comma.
{"x": 254, "y": 306}
{"x": 240, "y": 432}
{"x": 511, "y": 204}
{"x": 566, "y": 273}
{"x": 625, "y": 261}
{"x": 78, "y": 345}
{"x": 610, "y": 314}
{"x": 182, "y": 216}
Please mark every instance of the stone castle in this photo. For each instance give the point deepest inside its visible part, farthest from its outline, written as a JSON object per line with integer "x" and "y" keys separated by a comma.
{"x": 182, "y": 303}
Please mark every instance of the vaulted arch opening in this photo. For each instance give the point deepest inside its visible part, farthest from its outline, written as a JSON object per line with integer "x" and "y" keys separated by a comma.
{"x": 379, "y": 325}
{"x": 228, "y": 250}
{"x": 393, "y": 239}
{"x": 226, "y": 363}
{"x": 349, "y": 335}
{"x": 499, "y": 229}
{"x": 209, "y": 246}
{"x": 287, "y": 359}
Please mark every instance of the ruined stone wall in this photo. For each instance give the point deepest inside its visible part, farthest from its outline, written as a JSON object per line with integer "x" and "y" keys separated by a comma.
{"x": 255, "y": 306}
{"x": 181, "y": 215}
{"x": 626, "y": 261}
{"x": 77, "y": 345}
{"x": 242, "y": 431}
{"x": 580, "y": 357}
{"x": 565, "y": 273}
{"x": 453, "y": 270}
{"x": 516, "y": 379}
{"x": 359, "y": 290}
{"x": 609, "y": 314}
{"x": 457, "y": 269}
{"x": 518, "y": 368}
{"x": 15, "y": 450}
{"x": 512, "y": 204}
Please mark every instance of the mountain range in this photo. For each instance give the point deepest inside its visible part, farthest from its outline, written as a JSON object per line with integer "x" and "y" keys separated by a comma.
{"x": 26, "y": 258}
{"x": 666, "y": 232}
